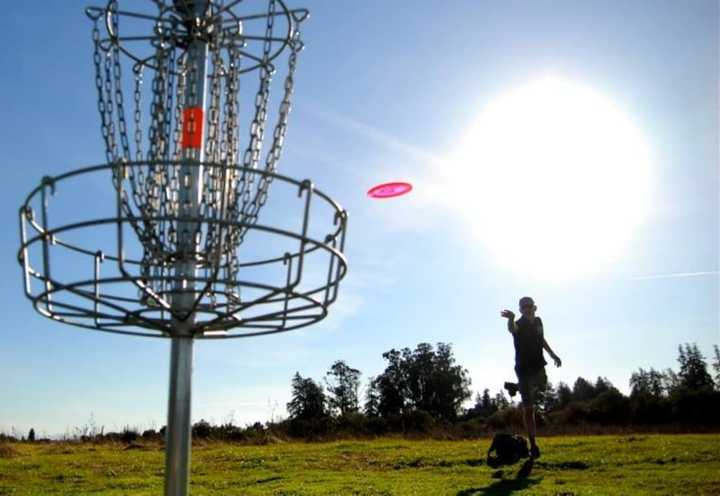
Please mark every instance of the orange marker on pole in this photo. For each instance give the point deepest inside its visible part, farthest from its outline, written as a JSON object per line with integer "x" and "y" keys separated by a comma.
{"x": 192, "y": 127}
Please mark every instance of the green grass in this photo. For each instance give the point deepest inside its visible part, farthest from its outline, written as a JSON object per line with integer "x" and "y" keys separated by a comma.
{"x": 572, "y": 465}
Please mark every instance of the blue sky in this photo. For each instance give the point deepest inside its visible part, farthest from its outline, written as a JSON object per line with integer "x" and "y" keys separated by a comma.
{"x": 386, "y": 91}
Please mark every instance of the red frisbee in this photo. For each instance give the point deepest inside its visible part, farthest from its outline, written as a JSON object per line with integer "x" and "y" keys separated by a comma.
{"x": 389, "y": 190}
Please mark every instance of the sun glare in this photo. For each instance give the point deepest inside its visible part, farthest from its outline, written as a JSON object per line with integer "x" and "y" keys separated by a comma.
{"x": 553, "y": 179}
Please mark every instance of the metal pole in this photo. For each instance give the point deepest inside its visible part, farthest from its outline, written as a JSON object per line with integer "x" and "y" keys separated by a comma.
{"x": 179, "y": 427}
{"x": 178, "y": 435}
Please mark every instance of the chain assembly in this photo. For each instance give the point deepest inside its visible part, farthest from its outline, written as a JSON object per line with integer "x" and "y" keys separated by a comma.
{"x": 240, "y": 44}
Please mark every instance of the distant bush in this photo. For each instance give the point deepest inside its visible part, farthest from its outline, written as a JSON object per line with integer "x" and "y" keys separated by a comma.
{"x": 150, "y": 434}
{"x": 609, "y": 408}
{"x": 201, "y": 429}
{"x": 696, "y": 406}
{"x": 649, "y": 409}
{"x": 310, "y": 428}
{"x": 377, "y": 426}
{"x": 418, "y": 421}
{"x": 473, "y": 427}
{"x": 353, "y": 424}
{"x": 129, "y": 435}
{"x": 505, "y": 419}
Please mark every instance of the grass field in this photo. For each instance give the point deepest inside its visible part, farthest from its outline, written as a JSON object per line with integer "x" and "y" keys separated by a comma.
{"x": 602, "y": 465}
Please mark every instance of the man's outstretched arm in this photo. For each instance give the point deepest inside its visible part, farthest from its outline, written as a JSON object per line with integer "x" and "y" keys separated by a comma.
{"x": 555, "y": 358}
{"x": 511, "y": 325}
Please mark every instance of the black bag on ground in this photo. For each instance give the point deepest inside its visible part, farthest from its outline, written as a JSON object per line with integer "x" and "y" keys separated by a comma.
{"x": 507, "y": 449}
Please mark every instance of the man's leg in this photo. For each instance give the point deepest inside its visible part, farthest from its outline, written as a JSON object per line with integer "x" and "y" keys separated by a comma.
{"x": 536, "y": 382}
{"x": 528, "y": 406}
{"x": 529, "y": 414}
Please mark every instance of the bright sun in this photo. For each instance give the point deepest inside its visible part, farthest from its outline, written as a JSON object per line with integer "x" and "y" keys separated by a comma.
{"x": 553, "y": 179}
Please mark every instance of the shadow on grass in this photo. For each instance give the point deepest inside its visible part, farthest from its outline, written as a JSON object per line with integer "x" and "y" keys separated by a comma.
{"x": 571, "y": 465}
{"x": 506, "y": 486}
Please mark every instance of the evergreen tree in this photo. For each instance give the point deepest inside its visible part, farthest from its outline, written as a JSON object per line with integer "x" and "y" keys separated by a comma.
{"x": 656, "y": 382}
{"x": 670, "y": 381}
{"x": 550, "y": 400}
{"x": 583, "y": 390}
{"x": 716, "y": 366}
{"x": 650, "y": 382}
{"x": 343, "y": 388}
{"x": 564, "y": 394}
{"x": 603, "y": 385}
{"x": 372, "y": 399}
{"x": 308, "y": 399}
{"x": 484, "y": 405}
{"x": 487, "y": 405}
{"x": 639, "y": 382}
{"x": 390, "y": 386}
{"x": 500, "y": 401}
{"x": 693, "y": 369}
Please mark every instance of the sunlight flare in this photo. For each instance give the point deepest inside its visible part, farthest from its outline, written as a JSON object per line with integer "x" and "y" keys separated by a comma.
{"x": 553, "y": 179}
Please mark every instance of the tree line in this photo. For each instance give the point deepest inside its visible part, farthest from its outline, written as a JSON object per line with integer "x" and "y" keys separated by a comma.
{"x": 425, "y": 389}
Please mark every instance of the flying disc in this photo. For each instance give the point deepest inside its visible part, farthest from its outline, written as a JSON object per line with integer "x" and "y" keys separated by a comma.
{"x": 389, "y": 190}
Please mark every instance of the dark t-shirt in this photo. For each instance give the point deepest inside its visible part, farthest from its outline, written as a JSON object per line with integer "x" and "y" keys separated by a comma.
{"x": 528, "y": 342}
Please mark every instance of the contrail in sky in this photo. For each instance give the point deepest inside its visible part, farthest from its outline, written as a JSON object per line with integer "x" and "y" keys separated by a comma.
{"x": 677, "y": 274}
{"x": 371, "y": 133}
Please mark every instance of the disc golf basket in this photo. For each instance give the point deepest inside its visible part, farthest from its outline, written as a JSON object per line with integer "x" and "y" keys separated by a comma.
{"x": 188, "y": 231}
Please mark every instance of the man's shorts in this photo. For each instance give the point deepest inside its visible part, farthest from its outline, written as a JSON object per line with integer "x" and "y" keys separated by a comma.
{"x": 530, "y": 382}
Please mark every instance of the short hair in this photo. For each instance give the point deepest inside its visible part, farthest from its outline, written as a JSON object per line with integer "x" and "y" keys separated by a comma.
{"x": 526, "y": 300}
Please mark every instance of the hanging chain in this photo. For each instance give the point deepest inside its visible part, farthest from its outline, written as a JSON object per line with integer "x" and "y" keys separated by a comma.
{"x": 119, "y": 101}
{"x": 102, "y": 105}
{"x": 137, "y": 114}
{"x": 279, "y": 132}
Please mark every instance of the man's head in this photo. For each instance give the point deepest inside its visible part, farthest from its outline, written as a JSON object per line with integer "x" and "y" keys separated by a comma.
{"x": 527, "y": 307}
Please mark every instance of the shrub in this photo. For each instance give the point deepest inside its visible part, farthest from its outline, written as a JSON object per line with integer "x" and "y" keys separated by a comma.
{"x": 149, "y": 434}
{"x": 610, "y": 407}
{"x": 201, "y": 429}
{"x": 418, "y": 421}
{"x": 312, "y": 428}
{"x": 352, "y": 423}
{"x": 506, "y": 418}
{"x": 129, "y": 435}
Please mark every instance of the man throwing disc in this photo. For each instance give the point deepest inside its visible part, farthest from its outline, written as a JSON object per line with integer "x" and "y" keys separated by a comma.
{"x": 529, "y": 340}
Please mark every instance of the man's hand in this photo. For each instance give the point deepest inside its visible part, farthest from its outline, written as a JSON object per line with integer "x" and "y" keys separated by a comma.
{"x": 507, "y": 314}
{"x": 512, "y": 327}
{"x": 556, "y": 359}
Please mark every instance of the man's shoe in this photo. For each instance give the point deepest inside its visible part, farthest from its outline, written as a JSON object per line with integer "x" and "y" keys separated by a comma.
{"x": 512, "y": 388}
{"x": 534, "y": 451}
